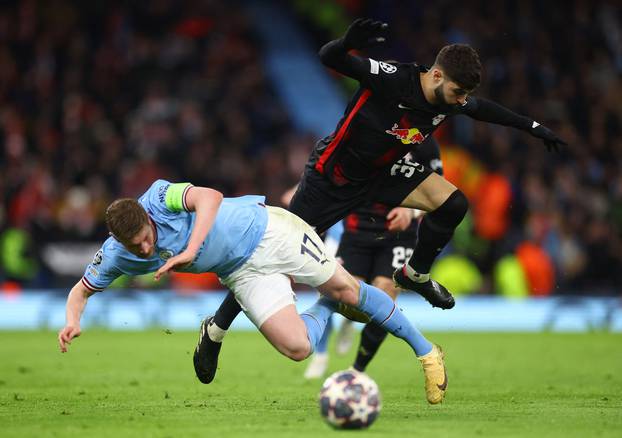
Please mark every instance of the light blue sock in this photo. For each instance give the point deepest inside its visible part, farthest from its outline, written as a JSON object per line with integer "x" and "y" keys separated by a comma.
{"x": 383, "y": 311}
{"x": 322, "y": 345}
{"x": 316, "y": 318}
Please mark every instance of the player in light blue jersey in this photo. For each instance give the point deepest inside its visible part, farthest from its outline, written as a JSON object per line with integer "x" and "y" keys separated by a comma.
{"x": 257, "y": 251}
{"x": 236, "y": 230}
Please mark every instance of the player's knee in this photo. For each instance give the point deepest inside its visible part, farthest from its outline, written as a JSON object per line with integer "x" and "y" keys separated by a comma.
{"x": 298, "y": 352}
{"x": 456, "y": 205}
{"x": 299, "y": 356}
{"x": 452, "y": 211}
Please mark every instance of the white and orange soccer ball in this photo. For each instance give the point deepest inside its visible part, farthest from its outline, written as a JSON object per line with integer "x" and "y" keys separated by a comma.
{"x": 350, "y": 400}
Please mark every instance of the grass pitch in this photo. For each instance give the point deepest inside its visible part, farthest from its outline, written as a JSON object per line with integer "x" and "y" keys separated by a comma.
{"x": 142, "y": 384}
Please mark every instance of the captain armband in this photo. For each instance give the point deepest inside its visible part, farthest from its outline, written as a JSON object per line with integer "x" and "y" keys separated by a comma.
{"x": 176, "y": 197}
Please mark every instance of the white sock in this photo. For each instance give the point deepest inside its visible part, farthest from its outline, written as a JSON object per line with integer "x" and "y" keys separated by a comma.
{"x": 215, "y": 333}
{"x": 415, "y": 276}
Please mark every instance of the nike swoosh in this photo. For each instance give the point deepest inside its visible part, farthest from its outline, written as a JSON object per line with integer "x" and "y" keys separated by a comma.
{"x": 443, "y": 386}
{"x": 400, "y": 106}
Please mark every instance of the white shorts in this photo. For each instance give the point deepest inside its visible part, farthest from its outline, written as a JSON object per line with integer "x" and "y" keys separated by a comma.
{"x": 289, "y": 249}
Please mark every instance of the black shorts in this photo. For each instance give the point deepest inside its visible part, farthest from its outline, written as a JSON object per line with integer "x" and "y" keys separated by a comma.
{"x": 368, "y": 258}
{"x": 322, "y": 204}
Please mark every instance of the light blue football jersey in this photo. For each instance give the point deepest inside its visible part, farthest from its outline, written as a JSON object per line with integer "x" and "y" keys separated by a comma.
{"x": 239, "y": 227}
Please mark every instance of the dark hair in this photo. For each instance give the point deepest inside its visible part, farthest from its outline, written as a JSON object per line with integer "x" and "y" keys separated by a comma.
{"x": 460, "y": 63}
{"x": 125, "y": 218}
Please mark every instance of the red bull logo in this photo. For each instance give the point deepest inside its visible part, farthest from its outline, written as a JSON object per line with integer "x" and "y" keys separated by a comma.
{"x": 406, "y": 135}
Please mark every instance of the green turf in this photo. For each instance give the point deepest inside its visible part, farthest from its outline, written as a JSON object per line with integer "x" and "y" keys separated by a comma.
{"x": 142, "y": 384}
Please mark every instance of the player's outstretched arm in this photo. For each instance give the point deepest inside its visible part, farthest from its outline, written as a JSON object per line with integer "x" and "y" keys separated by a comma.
{"x": 488, "y": 111}
{"x": 76, "y": 302}
{"x": 205, "y": 202}
{"x": 361, "y": 34}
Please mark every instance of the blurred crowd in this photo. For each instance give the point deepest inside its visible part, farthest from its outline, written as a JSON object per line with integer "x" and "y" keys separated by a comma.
{"x": 98, "y": 99}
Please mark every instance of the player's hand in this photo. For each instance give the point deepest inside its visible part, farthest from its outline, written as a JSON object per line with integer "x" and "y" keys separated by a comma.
{"x": 551, "y": 140}
{"x": 180, "y": 260}
{"x": 365, "y": 33}
{"x": 399, "y": 219}
{"x": 65, "y": 336}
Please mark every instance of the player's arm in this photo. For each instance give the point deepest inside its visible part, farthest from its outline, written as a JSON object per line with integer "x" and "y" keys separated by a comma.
{"x": 361, "y": 34}
{"x": 205, "y": 202}
{"x": 489, "y": 111}
{"x": 76, "y": 302}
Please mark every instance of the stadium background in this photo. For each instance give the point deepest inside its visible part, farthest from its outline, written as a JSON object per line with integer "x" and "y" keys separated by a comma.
{"x": 98, "y": 99}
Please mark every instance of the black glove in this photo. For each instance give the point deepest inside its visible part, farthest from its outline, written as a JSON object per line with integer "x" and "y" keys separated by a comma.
{"x": 551, "y": 140}
{"x": 364, "y": 33}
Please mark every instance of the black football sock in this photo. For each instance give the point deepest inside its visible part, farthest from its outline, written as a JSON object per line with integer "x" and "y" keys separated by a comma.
{"x": 227, "y": 312}
{"x": 372, "y": 336}
{"x": 436, "y": 230}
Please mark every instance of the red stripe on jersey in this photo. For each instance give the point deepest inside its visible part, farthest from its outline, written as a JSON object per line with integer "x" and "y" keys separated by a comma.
{"x": 319, "y": 166}
{"x": 338, "y": 176}
{"x": 352, "y": 222}
{"x": 89, "y": 286}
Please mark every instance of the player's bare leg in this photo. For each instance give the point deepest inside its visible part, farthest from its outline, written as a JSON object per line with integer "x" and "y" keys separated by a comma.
{"x": 446, "y": 206}
{"x": 287, "y": 332}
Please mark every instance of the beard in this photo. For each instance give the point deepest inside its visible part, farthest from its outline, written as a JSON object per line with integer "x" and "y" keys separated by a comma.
{"x": 439, "y": 96}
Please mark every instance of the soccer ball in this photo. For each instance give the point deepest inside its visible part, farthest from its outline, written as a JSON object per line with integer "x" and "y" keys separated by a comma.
{"x": 349, "y": 400}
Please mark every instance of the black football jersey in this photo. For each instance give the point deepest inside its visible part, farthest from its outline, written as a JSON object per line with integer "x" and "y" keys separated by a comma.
{"x": 386, "y": 118}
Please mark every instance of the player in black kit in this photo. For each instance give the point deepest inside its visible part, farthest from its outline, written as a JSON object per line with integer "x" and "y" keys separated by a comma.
{"x": 397, "y": 106}
{"x": 376, "y": 240}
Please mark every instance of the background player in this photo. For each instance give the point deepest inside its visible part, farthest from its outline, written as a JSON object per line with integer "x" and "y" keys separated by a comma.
{"x": 396, "y": 107}
{"x": 257, "y": 251}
